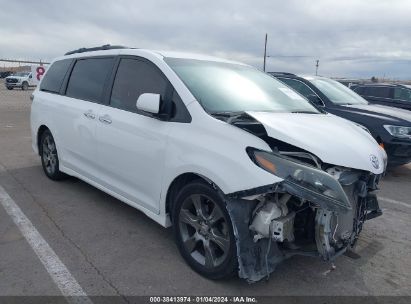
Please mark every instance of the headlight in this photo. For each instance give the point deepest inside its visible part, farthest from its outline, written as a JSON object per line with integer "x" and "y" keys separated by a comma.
{"x": 304, "y": 181}
{"x": 398, "y": 131}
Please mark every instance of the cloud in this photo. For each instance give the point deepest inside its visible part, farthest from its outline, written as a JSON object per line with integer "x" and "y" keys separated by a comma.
{"x": 350, "y": 38}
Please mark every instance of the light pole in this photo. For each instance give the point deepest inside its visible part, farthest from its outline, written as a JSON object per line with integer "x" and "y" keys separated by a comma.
{"x": 265, "y": 51}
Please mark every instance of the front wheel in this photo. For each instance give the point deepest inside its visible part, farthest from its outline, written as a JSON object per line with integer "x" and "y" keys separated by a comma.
{"x": 203, "y": 231}
{"x": 10, "y": 88}
{"x": 49, "y": 157}
{"x": 24, "y": 86}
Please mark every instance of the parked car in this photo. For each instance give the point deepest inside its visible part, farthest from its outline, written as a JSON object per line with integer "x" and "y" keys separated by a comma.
{"x": 391, "y": 127}
{"x": 246, "y": 171}
{"x": 393, "y": 95}
{"x": 22, "y": 80}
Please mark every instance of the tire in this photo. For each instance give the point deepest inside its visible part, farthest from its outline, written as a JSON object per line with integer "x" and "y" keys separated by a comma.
{"x": 203, "y": 231}
{"x": 10, "y": 88}
{"x": 24, "y": 86}
{"x": 49, "y": 157}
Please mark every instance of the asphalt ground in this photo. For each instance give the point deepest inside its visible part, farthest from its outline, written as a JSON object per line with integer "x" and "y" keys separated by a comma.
{"x": 109, "y": 248}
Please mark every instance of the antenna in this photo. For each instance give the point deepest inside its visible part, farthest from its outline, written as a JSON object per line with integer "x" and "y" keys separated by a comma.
{"x": 316, "y": 66}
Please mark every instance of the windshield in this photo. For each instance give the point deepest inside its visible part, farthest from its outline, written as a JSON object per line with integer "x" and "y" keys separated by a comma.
{"x": 21, "y": 74}
{"x": 226, "y": 87}
{"x": 336, "y": 92}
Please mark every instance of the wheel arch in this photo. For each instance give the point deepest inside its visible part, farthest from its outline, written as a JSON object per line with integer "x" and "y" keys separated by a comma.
{"x": 178, "y": 183}
{"x": 40, "y": 132}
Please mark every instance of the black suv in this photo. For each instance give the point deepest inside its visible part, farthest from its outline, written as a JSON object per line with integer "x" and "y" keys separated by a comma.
{"x": 393, "y": 95}
{"x": 391, "y": 127}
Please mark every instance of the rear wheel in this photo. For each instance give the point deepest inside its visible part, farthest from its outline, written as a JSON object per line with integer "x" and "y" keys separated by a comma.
{"x": 49, "y": 157}
{"x": 203, "y": 231}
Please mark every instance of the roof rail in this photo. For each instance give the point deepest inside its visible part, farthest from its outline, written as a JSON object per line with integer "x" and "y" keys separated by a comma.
{"x": 98, "y": 48}
{"x": 281, "y": 74}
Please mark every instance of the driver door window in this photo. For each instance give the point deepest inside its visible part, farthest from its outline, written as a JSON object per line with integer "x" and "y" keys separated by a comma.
{"x": 300, "y": 87}
{"x": 135, "y": 77}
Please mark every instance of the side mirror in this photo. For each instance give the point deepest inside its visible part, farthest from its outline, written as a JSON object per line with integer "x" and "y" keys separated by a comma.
{"x": 315, "y": 100}
{"x": 149, "y": 102}
{"x": 30, "y": 76}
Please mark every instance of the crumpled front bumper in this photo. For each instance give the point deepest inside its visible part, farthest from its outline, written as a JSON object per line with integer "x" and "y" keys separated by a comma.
{"x": 258, "y": 259}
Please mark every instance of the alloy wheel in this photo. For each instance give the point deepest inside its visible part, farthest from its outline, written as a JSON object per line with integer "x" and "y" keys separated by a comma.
{"x": 49, "y": 154}
{"x": 204, "y": 230}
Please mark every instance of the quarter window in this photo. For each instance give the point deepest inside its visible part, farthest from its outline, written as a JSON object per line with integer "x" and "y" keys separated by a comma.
{"x": 135, "y": 77}
{"x": 54, "y": 77}
{"x": 88, "y": 78}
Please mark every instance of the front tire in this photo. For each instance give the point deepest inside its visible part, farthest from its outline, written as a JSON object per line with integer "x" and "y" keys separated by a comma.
{"x": 10, "y": 88}
{"x": 203, "y": 231}
{"x": 24, "y": 86}
{"x": 49, "y": 157}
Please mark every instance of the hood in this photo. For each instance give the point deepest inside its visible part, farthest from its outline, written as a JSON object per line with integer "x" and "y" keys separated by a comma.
{"x": 14, "y": 77}
{"x": 333, "y": 139}
{"x": 388, "y": 114}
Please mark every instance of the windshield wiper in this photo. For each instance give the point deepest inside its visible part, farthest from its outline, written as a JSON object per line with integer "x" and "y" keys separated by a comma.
{"x": 226, "y": 113}
{"x": 304, "y": 112}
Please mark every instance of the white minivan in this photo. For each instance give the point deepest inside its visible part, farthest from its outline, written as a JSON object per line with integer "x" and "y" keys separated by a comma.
{"x": 245, "y": 170}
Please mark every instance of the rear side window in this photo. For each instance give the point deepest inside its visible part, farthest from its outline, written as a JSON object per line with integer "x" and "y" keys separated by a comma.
{"x": 359, "y": 90}
{"x": 377, "y": 92}
{"x": 88, "y": 78}
{"x": 135, "y": 77}
{"x": 54, "y": 77}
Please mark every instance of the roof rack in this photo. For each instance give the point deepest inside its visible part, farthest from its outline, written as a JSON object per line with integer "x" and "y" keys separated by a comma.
{"x": 98, "y": 48}
{"x": 281, "y": 74}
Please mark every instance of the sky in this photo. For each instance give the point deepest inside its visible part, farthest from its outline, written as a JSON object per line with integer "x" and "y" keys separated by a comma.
{"x": 361, "y": 38}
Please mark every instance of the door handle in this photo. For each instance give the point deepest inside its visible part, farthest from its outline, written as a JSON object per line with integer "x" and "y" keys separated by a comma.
{"x": 105, "y": 119}
{"x": 90, "y": 114}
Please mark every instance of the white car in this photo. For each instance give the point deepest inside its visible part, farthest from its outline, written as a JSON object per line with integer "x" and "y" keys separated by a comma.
{"x": 22, "y": 80}
{"x": 246, "y": 171}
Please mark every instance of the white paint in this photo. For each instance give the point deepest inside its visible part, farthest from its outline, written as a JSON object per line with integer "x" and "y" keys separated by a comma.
{"x": 67, "y": 284}
{"x": 149, "y": 102}
{"x": 395, "y": 202}
{"x": 136, "y": 157}
{"x": 333, "y": 139}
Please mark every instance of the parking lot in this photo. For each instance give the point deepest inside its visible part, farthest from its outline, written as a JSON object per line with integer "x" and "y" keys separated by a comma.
{"x": 113, "y": 249}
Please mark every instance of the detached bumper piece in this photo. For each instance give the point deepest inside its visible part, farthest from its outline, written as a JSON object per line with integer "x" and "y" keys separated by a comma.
{"x": 373, "y": 208}
{"x": 256, "y": 260}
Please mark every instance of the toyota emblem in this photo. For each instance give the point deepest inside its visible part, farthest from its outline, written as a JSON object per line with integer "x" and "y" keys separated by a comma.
{"x": 374, "y": 161}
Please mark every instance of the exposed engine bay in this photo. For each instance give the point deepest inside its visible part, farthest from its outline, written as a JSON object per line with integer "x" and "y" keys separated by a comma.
{"x": 317, "y": 210}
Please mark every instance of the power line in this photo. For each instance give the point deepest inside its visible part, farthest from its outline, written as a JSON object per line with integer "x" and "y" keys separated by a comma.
{"x": 24, "y": 61}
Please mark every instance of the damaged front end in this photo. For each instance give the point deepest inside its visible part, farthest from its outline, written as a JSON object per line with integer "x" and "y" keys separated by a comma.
{"x": 317, "y": 210}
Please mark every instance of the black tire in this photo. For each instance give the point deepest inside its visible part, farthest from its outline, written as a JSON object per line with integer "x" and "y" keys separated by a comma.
{"x": 198, "y": 245}
{"x": 49, "y": 157}
{"x": 24, "y": 86}
{"x": 10, "y": 88}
